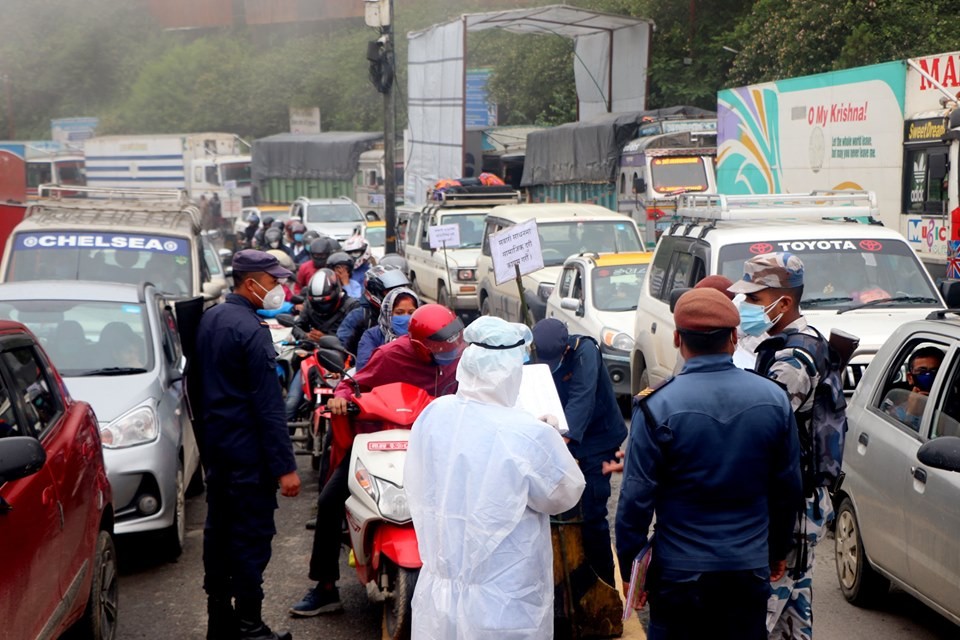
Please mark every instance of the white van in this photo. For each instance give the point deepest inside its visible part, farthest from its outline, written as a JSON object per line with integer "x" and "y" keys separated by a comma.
{"x": 565, "y": 229}
{"x": 862, "y": 278}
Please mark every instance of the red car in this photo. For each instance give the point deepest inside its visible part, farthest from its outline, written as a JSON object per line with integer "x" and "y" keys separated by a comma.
{"x": 56, "y": 508}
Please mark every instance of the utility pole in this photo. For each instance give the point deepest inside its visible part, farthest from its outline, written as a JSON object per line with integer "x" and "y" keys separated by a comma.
{"x": 380, "y": 54}
{"x": 8, "y": 94}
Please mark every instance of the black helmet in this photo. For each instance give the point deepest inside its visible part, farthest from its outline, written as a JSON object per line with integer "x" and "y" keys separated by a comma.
{"x": 271, "y": 236}
{"x": 394, "y": 260}
{"x": 310, "y": 236}
{"x": 339, "y": 258}
{"x": 276, "y": 224}
{"x": 380, "y": 279}
{"x": 267, "y": 222}
{"x": 320, "y": 250}
{"x": 324, "y": 292}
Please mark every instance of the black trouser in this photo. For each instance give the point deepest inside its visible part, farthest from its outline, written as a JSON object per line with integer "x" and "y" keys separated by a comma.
{"x": 722, "y": 605}
{"x": 325, "y": 557}
{"x": 593, "y": 510}
{"x": 236, "y": 540}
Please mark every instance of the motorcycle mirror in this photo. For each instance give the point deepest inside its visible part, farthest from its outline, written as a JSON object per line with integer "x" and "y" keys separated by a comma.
{"x": 296, "y": 299}
{"x": 286, "y": 320}
{"x": 331, "y": 360}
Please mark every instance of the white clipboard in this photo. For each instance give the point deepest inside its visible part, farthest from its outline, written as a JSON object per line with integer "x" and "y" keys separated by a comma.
{"x": 538, "y": 395}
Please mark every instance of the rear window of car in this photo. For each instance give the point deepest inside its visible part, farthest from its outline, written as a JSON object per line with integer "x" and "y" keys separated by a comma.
{"x": 560, "y": 240}
{"x": 333, "y": 213}
{"x": 127, "y": 258}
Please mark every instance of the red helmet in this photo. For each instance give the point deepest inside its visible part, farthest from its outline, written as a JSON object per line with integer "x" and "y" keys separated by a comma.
{"x": 436, "y": 332}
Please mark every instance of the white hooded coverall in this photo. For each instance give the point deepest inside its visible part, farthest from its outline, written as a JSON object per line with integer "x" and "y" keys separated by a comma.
{"x": 482, "y": 479}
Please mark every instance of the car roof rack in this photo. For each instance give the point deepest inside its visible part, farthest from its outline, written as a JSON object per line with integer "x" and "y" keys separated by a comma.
{"x": 474, "y": 197}
{"x": 132, "y": 207}
{"x": 842, "y": 204}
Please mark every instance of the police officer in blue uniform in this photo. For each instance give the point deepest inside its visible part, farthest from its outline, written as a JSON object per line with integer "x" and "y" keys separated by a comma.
{"x": 715, "y": 454}
{"x": 245, "y": 447}
{"x": 596, "y": 427}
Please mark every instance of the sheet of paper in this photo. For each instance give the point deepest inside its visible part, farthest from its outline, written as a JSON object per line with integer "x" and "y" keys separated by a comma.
{"x": 538, "y": 395}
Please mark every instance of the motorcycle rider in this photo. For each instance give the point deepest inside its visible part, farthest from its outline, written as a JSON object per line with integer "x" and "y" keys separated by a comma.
{"x": 426, "y": 357}
{"x": 395, "y": 313}
{"x": 298, "y": 245}
{"x": 250, "y": 233}
{"x": 358, "y": 249}
{"x": 259, "y": 236}
{"x": 320, "y": 250}
{"x": 273, "y": 239}
{"x": 342, "y": 265}
{"x": 325, "y": 305}
{"x": 308, "y": 239}
{"x": 378, "y": 281}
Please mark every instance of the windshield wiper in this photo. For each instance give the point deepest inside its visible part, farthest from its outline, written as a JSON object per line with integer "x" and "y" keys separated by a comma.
{"x": 874, "y": 303}
{"x": 111, "y": 371}
{"x": 815, "y": 302}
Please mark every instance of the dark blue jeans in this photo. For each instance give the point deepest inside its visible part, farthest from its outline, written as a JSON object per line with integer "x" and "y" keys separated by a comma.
{"x": 721, "y": 605}
{"x": 593, "y": 509}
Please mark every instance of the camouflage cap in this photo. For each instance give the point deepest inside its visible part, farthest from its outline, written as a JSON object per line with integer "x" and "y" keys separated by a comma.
{"x": 770, "y": 271}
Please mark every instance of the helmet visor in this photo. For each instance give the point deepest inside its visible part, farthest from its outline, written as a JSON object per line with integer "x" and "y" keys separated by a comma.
{"x": 449, "y": 339}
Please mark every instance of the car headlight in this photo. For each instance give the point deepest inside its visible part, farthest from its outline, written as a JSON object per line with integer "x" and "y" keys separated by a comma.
{"x": 616, "y": 339}
{"x": 466, "y": 275}
{"x": 366, "y": 481}
{"x": 393, "y": 502}
{"x": 140, "y": 426}
{"x": 544, "y": 290}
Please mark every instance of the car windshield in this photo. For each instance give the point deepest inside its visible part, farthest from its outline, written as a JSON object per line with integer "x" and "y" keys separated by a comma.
{"x": 844, "y": 273}
{"x": 471, "y": 228}
{"x": 376, "y": 236}
{"x": 559, "y": 240}
{"x": 238, "y": 171}
{"x": 87, "y": 338}
{"x": 104, "y": 257}
{"x": 333, "y": 213}
{"x": 681, "y": 174}
{"x": 617, "y": 288}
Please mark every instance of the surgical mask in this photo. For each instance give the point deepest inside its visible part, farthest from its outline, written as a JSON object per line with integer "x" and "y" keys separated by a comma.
{"x": 275, "y": 244}
{"x": 754, "y": 320}
{"x": 443, "y": 359}
{"x": 400, "y": 324}
{"x": 298, "y": 237}
{"x": 924, "y": 381}
{"x": 273, "y": 299}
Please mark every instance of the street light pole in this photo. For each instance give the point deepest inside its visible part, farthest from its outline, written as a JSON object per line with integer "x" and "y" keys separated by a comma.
{"x": 389, "y": 140}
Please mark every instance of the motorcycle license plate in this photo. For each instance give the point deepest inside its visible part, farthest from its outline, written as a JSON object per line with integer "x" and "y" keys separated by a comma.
{"x": 389, "y": 445}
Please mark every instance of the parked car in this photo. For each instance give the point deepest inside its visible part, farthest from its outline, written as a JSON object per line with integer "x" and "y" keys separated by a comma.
{"x": 338, "y": 218}
{"x": 565, "y": 229}
{"x": 117, "y": 347}
{"x": 56, "y": 506}
{"x": 450, "y": 278}
{"x": 862, "y": 278}
{"x": 897, "y": 518}
{"x": 113, "y": 236}
{"x": 597, "y": 296}
{"x": 376, "y": 236}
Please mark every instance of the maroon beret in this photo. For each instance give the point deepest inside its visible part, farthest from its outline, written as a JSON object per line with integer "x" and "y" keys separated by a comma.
{"x": 718, "y": 282}
{"x": 705, "y": 309}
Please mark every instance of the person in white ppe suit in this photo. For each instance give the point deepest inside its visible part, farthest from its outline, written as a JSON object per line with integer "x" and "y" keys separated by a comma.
{"x": 482, "y": 479}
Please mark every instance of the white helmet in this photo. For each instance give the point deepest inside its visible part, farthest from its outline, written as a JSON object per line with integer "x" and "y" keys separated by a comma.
{"x": 285, "y": 260}
{"x": 358, "y": 249}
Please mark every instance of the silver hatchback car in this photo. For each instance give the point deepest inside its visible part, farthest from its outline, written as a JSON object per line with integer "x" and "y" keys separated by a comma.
{"x": 898, "y": 518}
{"x": 117, "y": 347}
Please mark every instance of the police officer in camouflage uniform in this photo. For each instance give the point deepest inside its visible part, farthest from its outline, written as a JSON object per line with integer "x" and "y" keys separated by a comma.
{"x": 793, "y": 357}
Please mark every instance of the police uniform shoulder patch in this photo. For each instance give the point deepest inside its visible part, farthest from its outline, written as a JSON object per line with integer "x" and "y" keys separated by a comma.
{"x": 649, "y": 391}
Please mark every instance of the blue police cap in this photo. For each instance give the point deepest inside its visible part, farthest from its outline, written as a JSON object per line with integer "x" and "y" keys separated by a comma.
{"x": 550, "y": 338}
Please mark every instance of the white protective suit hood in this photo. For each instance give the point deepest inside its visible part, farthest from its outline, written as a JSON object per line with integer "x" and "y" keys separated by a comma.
{"x": 491, "y": 366}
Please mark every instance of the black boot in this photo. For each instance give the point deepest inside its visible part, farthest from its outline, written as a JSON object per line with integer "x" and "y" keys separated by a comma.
{"x": 252, "y": 626}
{"x": 221, "y": 619}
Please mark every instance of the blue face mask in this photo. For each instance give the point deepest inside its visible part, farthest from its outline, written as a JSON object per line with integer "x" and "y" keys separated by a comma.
{"x": 400, "y": 324}
{"x": 754, "y": 320}
{"x": 298, "y": 237}
{"x": 924, "y": 381}
{"x": 443, "y": 359}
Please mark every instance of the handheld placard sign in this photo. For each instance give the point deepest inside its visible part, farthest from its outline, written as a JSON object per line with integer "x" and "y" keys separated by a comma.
{"x": 516, "y": 252}
{"x": 444, "y": 235}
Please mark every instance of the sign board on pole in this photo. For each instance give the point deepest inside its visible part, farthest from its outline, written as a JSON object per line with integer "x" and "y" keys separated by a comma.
{"x": 231, "y": 207}
{"x": 73, "y": 130}
{"x": 305, "y": 120}
{"x": 230, "y": 185}
{"x": 516, "y": 246}
{"x": 445, "y": 235}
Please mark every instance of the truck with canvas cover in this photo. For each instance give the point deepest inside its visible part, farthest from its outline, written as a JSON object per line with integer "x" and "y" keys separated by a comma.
{"x": 583, "y": 161}
{"x": 890, "y": 128}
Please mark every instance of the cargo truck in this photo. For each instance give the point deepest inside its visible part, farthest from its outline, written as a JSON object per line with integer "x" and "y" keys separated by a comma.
{"x": 202, "y": 164}
{"x": 891, "y": 128}
{"x": 636, "y": 163}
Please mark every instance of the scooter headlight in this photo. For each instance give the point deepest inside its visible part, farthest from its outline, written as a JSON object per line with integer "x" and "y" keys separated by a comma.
{"x": 366, "y": 481}
{"x": 393, "y": 502}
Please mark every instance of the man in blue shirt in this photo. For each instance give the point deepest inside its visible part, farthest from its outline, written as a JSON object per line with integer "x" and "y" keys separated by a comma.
{"x": 245, "y": 447}
{"x": 596, "y": 428}
{"x": 715, "y": 454}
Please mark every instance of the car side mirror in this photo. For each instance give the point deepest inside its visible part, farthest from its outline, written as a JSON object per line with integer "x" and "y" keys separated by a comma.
{"x": 178, "y": 371}
{"x": 20, "y": 456}
{"x": 211, "y": 290}
{"x": 571, "y": 304}
{"x": 675, "y": 295}
{"x": 950, "y": 290}
{"x": 226, "y": 256}
{"x": 371, "y": 216}
{"x": 941, "y": 453}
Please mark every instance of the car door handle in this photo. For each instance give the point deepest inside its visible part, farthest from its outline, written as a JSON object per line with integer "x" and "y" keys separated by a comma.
{"x": 653, "y": 328}
{"x": 919, "y": 474}
{"x": 864, "y": 439}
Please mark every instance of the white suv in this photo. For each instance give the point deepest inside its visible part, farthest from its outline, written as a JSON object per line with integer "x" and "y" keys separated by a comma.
{"x": 565, "y": 229}
{"x": 862, "y": 278}
{"x": 451, "y": 280}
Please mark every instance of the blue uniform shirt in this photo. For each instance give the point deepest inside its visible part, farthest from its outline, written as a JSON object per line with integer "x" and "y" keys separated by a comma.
{"x": 244, "y": 436}
{"x": 589, "y": 404}
{"x": 721, "y": 469}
